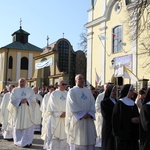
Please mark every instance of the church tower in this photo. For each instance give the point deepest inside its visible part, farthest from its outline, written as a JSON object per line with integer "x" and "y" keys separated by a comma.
{"x": 20, "y": 36}
{"x": 17, "y": 59}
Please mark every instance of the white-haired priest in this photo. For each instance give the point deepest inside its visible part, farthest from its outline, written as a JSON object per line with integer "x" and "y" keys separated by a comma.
{"x": 22, "y": 108}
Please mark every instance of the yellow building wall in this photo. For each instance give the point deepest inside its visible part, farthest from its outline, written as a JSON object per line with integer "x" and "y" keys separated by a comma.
{"x": 95, "y": 54}
{"x": 97, "y": 6}
{"x": 23, "y": 73}
{"x": 143, "y": 47}
{"x": 12, "y": 73}
{"x": 121, "y": 18}
{"x": 2, "y": 69}
{"x": 2, "y": 65}
{"x": 115, "y": 20}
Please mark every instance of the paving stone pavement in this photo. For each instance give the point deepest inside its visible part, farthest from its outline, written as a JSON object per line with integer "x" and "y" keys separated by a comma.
{"x": 37, "y": 144}
{"x": 9, "y": 145}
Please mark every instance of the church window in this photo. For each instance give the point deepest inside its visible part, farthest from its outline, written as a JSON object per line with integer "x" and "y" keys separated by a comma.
{"x": 24, "y": 63}
{"x": 130, "y": 1}
{"x": 117, "y": 39}
{"x": 10, "y": 62}
{"x": 63, "y": 49}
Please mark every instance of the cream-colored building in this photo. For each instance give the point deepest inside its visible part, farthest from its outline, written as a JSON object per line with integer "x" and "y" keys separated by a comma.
{"x": 111, "y": 42}
{"x": 40, "y": 67}
{"x": 58, "y": 61}
{"x": 16, "y": 59}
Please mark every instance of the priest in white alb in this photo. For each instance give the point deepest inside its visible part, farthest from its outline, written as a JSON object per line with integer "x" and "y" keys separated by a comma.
{"x": 57, "y": 109}
{"x": 39, "y": 99}
{"x": 7, "y": 130}
{"x": 80, "y": 115}
{"x": 45, "y": 116}
{"x": 22, "y": 108}
{"x": 45, "y": 100}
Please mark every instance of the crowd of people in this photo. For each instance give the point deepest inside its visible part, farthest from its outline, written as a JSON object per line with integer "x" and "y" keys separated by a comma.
{"x": 77, "y": 118}
{"x": 123, "y": 118}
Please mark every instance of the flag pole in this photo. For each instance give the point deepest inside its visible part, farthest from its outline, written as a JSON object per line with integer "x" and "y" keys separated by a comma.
{"x": 104, "y": 48}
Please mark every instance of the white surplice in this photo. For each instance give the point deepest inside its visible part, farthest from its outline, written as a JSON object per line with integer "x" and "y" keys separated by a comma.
{"x": 39, "y": 113}
{"x": 80, "y": 132}
{"x": 45, "y": 120}
{"x": 7, "y": 130}
{"x": 99, "y": 119}
{"x": 56, "y": 106}
{"x": 23, "y": 115}
{"x": 45, "y": 103}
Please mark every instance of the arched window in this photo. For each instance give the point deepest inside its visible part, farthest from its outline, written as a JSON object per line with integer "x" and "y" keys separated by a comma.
{"x": 10, "y": 62}
{"x": 63, "y": 49}
{"x": 129, "y": 1}
{"x": 24, "y": 63}
{"x": 117, "y": 39}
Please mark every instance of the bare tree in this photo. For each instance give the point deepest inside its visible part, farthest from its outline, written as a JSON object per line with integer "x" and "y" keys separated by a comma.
{"x": 83, "y": 43}
{"x": 139, "y": 17}
{"x": 139, "y": 26}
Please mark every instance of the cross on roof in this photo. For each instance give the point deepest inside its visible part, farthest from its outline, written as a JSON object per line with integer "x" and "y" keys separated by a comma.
{"x": 20, "y": 22}
{"x": 47, "y": 40}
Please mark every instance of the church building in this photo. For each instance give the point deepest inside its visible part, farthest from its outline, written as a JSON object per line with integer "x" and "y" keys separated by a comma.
{"x": 118, "y": 35}
{"x": 58, "y": 61}
{"x": 40, "y": 67}
{"x": 16, "y": 59}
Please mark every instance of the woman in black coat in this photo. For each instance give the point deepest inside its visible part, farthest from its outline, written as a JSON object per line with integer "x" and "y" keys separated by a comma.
{"x": 107, "y": 105}
{"x": 145, "y": 123}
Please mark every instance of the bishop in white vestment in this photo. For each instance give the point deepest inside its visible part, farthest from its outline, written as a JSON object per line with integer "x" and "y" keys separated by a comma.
{"x": 57, "y": 109}
{"x": 80, "y": 115}
{"x": 23, "y": 112}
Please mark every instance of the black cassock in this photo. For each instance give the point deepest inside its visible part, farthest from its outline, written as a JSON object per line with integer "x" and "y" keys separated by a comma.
{"x": 145, "y": 127}
{"x": 108, "y": 141}
{"x": 125, "y": 132}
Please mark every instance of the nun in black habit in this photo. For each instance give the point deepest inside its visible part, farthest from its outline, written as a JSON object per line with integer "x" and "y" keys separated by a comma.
{"x": 107, "y": 105}
{"x": 145, "y": 123}
{"x": 125, "y": 120}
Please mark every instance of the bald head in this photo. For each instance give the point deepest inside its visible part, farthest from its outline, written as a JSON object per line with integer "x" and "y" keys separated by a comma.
{"x": 22, "y": 82}
{"x": 80, "y": 81}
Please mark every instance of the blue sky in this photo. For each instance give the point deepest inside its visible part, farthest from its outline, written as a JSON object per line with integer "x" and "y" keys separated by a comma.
{"x": 42, "y": 18}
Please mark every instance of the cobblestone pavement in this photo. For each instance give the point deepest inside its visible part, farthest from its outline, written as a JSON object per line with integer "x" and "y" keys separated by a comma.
{"x": 9, "y": 145}
{"x": 37, "y": 144}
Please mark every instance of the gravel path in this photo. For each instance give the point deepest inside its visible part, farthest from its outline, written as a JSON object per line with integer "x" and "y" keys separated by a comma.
{"x": 37, "y": 144}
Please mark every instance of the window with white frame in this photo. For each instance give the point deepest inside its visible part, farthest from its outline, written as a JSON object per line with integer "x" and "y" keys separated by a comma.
{"x": 129, "y": 1}
{"x": 117, "y": 39}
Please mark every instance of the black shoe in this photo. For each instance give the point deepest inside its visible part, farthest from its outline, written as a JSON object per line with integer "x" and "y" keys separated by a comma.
{"x": 27, "y": 146}
{"x": 10, "y": 139}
